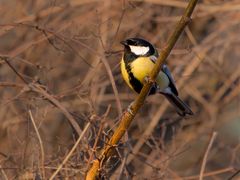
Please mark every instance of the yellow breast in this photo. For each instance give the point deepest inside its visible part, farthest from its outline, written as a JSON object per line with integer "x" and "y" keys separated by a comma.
{"x": 141, "y": 68}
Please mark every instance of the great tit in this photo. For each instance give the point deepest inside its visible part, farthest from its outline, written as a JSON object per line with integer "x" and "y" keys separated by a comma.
{"x": 137, "y": 63}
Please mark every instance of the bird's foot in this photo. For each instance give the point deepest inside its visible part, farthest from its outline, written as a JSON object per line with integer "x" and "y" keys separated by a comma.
{"x": 129, "y": 109}
{"x": 148, "y": 79}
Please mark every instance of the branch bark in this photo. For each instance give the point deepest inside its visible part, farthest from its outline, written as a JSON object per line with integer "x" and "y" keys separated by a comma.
{"x": 127, "y": 117}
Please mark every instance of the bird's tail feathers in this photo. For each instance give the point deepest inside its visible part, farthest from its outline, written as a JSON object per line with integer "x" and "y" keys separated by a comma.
{"x": 181, "y": 107}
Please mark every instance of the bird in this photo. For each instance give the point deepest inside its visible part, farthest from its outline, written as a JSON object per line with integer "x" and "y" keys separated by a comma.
{"x": 138, "y": 59}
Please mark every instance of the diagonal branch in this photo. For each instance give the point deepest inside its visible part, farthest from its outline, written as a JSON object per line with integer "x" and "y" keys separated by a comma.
{"x": 38, "y": 89}
{"x": 127, "y": 117}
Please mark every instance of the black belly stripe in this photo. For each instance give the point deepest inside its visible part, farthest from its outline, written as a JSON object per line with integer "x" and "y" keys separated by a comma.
{"x": 136, "y": 84}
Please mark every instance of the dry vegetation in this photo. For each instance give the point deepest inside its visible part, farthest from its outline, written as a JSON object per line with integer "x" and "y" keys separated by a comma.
{"x": 60, "y": 78}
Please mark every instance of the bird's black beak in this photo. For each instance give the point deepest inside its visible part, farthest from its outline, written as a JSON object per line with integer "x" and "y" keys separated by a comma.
{"x": 124, "y": 43}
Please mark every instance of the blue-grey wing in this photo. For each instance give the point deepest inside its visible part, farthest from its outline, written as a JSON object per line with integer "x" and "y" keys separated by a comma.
{"x": 171, "y": 80}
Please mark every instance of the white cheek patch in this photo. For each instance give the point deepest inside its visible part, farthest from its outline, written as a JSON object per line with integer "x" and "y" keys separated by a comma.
{"x": 139, "y": 50}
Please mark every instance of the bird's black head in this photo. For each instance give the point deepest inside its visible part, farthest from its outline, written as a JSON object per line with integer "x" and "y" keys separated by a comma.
{"x": 138, "y": 47}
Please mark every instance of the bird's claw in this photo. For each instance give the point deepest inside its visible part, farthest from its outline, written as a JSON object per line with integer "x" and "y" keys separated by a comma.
{"x": 129, "y": 109}
{"x": 147, "y": 79}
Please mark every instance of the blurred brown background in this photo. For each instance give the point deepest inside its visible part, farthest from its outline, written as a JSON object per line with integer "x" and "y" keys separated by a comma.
{"x": 70, "y": 50}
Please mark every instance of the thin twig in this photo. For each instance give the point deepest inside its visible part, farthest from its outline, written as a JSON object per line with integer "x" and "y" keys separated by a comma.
{"x": 40, "y": 143}
{"x": 122, "y": 167}
{"x": 37, "y": 88}
{"x": 234, "y": 175}
{"x": 71, "y": 152}
{"x": 98, "y": 136}
{"x": 206, "y": 154}
{"x": 6, "y": 59}
{"x": 213, "y": 173}
{"x": 4, "y": 175}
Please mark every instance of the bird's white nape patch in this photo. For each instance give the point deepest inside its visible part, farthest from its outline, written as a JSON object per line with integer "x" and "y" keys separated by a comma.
{"x": 139, "y": 50}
